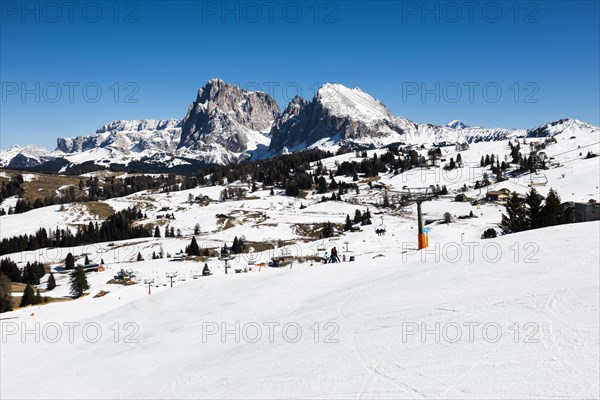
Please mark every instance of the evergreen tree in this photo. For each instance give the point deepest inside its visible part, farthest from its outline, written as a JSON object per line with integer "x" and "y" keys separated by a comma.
{"x": 327, "y": 230}
{"x": 51, "y": 282}
{"x": 534, "y": 210}
{"x": 357, "y": 216}
{"x": 28, "y": 297}
{"x": 515, "y": 218}
{"x": 322, "y": 187}
{"x": 139, "y": 257}
{"x": 205, "y": 270}
{"x": 157, "y": 232}
{"x": 348, "y": 225}
{"x": 552, "y": 212}
{"x": 193, "y": 249}
{"x": 78, "y": 282}
{"x": 447, "y": 217}
{"x": 452, "y": 164}
{"x": 569, "y": 215}
{"x": 5, "y": 294}
{"x": 69, "y": 262}
{"x": 87, "y": 260}
{"x": 489, "y": 233}
{"x": 197, "y": 229}
{"x": 38, "y": 297}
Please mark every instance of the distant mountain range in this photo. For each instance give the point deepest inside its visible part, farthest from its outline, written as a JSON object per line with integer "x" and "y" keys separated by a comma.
{"x": 226, "y": 124}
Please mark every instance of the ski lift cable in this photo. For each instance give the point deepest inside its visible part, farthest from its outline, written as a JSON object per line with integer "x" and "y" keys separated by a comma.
{"x": 579, "y": 148}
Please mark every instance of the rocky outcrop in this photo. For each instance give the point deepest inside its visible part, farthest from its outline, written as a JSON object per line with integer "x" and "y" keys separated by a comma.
{"x": 226, "y": 121}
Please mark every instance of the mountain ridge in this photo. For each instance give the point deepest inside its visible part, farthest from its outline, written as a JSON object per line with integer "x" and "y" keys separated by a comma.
{"x": 227, "y": 124}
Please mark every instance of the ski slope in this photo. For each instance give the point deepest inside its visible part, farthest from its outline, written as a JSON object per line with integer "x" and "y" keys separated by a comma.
{"x": 367, "y": 312}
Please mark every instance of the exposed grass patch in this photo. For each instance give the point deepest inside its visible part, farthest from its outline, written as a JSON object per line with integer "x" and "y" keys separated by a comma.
{"x": 17, "y": 300}
{"x": 313, "y": 231}
{"x": 99, "y": 209}
{"x": 42, "y": 185}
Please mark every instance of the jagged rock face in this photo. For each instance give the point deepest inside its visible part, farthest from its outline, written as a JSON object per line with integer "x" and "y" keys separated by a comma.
{"x": 227, "y": 120}
{"x": 344, "y": 115}
{"x": 128, "y": 136}
{"x": 21, "y": 161}
{"x": 353, "y": 119}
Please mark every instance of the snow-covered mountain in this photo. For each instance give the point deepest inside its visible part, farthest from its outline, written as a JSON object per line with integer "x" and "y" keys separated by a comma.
{"x": 127, "y": 137}
{"x": 339, "y": 116}
{"x": 226, "y": 121}
{"x": 227, "y": 124}
{"x": 23, "y": 157}
{"x": 563, "y": 126}
{"x": 457, "y": 124}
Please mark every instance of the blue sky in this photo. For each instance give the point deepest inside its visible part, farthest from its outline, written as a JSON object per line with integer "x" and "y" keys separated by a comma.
{"x": 504, "y": 63}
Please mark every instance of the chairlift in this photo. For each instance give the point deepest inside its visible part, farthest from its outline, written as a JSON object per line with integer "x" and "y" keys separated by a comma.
{"x": 538, "y": 179}
{"x": 406, "y": 210}
{"x": 380, "y": 230}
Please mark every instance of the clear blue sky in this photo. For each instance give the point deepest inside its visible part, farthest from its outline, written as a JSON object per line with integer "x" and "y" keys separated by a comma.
{"x": 549, "y": 50}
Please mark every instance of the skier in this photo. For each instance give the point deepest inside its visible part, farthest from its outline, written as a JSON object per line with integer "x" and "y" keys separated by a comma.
{"x": 334, "y": 256}
{"x": 344, "y": 258}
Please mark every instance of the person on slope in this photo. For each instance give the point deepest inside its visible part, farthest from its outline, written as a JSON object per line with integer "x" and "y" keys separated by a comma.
{"x": 334, "y": 256}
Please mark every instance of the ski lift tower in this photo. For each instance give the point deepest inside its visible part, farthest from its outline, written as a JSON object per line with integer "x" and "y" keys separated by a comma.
{"x": 226, "y": 256}
{"x": 419, "y": 195}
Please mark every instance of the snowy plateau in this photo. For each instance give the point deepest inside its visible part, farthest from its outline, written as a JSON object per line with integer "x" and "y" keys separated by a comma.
{"x": 515, "y": 316}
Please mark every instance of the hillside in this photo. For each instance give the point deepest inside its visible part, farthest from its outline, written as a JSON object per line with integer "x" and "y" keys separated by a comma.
{"x": 535, "y": 292}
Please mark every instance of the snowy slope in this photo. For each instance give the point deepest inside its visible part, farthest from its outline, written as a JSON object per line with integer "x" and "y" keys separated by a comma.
{"x": 546, "y": 281}
{"x": 352, "y": 103}
{"x": 369, "y": 347}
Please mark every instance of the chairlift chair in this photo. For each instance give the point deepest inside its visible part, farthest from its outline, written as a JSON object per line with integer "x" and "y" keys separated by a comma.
{"x": 538, "y": 179}
{"x": 380, "y": 230}
{"x": 406, "y": 210}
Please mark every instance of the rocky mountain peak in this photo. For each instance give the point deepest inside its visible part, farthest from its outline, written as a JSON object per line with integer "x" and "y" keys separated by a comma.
{"x": 226, "y": 119}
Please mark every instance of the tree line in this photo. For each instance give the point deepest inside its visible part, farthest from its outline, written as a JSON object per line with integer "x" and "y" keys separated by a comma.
{"x": 116, "y": 227}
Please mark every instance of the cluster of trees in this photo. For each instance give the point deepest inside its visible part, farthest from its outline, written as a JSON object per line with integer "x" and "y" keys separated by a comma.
{"x": 93, "y": 189}
{"x": 271, "y": 172}
{"x": 6, "y": 303}
{"x": 534, "y": 212}
{"x": 30, "y": 297}
{"x": 236, "y": 193}
{"x": 194, "y": 250}
{"x": 169, "y": 231}
{"x": 117, "y": 227}
{"x": 31, "y": 274}
{"x": 328, "y": 230}
{"x": 363, "y": 218}
{"x": 453, "y": 164}
{"x": 9, "y": 272}
{"x": 12, "y": 187}
{"x": 238, "y": 246}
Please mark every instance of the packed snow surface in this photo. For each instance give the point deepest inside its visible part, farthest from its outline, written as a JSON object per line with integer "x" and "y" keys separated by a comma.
{"x": 495, "y": 323}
